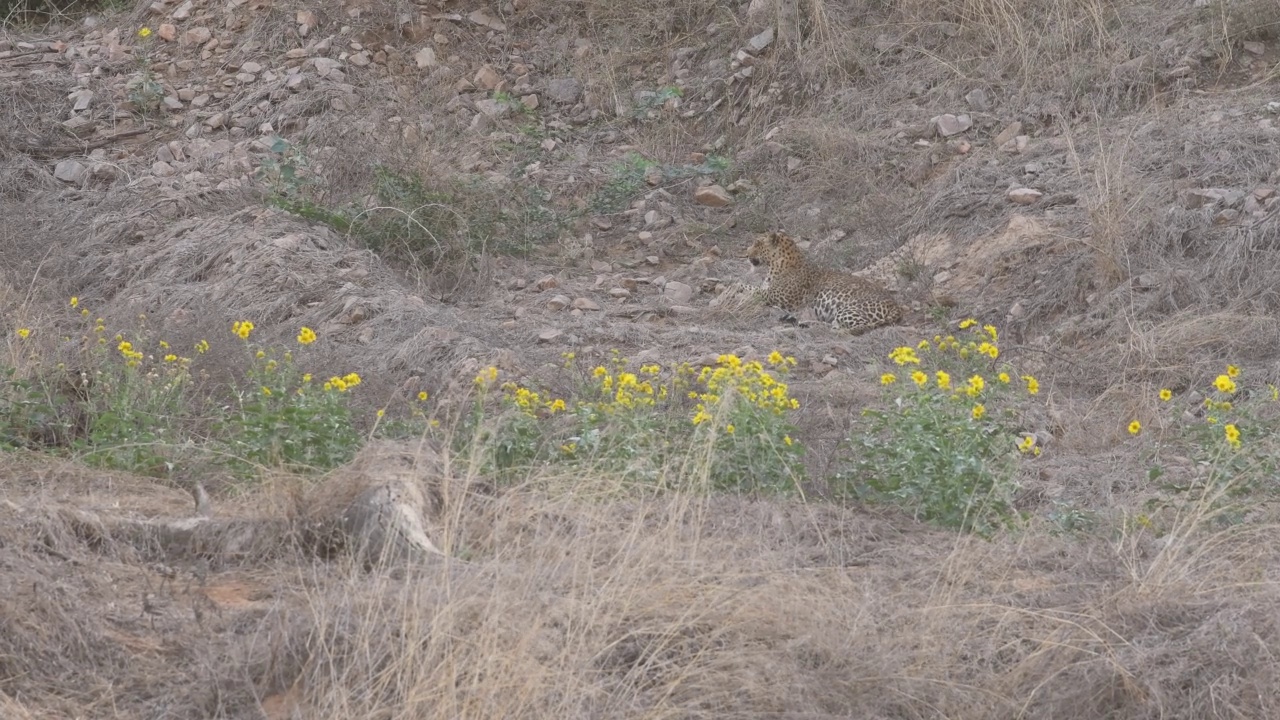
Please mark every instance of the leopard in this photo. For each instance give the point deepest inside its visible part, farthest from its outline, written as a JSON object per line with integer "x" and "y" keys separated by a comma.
{"x": 797, "y": 285}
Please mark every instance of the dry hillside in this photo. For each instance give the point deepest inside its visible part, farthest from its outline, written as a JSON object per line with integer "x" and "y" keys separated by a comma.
{"x": 457, "y": 195}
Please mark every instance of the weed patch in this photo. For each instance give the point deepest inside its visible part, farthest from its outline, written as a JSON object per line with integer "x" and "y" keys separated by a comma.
{"x": 945, "y": 447}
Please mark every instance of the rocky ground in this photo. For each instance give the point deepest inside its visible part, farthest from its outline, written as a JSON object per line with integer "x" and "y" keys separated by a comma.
{"x": 1097, "y": 179}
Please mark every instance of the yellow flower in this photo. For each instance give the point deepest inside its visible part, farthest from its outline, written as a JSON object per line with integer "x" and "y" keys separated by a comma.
{"x": 1033, "y": 385}
{"x": 422, "y": 396}
{"x": 353, "y": 379}
{"x": 1233, "y": 435}
{"x": 75, "y": 301}
{"x": 1135, "y": 427}
{"x": 1166, "y": 394}
{"x": 1233, "y": 371}
{"x": 776, "y": 358}
{"x": 306, "y": 377}
{"x": 978, "y": 411}
{"x": 24, "y": 333}
{"x": 904, "y": 355}
{"x": 271, "y": 365}
{"x": 202, "y": 347}
{"x": 600, "y": 371}
{"x": 306, "y": 336}
{"x": 967, "y": 323}
{"x": 1003, "y": 377}
{"x": 944, "y": 380}
{"x": 786, "y": 439}
{"x": 84, "y": 312}
{"x": 260, "y": 354}
{"x": 266, "y": 391}
{"x": 729, "y": 428}
{"x": 1275, "y": 392}
{"x": 919, "y": 378}
{"x": 976, "y": 385}
{"x": 170, "y": 358}
{"x": 144, "y": 32}
{"x": 923, "y": 345}
{"x": 556, "y": 405}
{"x": 888, "y": 379}
{"x": 1224, "y": 384}
{"x": 382, "y": 411}
{"x": 242, "y": 328}
{"x": 1027, "y": 443}
{"x": 164, "y": 345}
{"x": 991, "y": 330}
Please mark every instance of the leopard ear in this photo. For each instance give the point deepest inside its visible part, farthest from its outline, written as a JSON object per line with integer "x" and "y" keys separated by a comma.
{"x": 776, "y": 237}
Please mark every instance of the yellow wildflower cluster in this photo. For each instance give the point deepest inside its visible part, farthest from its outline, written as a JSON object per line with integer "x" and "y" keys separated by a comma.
{"x": 626, "y": 390}
{"x": 132, "y": 357}
{"x": 1226, "y": 387}
{"x": 1028, "y": 445}
{"x": 486, "y": 377}
{"x": 749, "y": 380}
{"x": 242, "y": 328}
{"x": 528, "y": 401}
{"x": 342, "y": 384}
{"x": 306, "y": 336}
{"x": 975, "y": 353}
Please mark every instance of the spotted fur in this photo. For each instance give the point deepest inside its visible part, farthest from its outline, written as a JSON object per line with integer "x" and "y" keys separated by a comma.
{"x": 796, "y": 285}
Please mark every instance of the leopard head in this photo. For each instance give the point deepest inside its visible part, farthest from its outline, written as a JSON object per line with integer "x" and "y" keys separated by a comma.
{"x": 775, "y": 251}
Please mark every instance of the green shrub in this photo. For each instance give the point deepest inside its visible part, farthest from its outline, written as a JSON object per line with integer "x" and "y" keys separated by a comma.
{"x": 945, "y": 449}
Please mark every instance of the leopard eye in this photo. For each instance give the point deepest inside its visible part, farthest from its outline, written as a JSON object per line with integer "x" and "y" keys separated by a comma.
{"x": 754, "y": 261}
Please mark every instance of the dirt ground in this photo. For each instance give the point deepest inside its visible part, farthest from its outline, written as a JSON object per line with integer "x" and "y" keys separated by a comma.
{"x": 1101, "y": 180}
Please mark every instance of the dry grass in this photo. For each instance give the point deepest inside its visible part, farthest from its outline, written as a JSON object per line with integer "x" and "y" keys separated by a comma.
{"x": 580, "y": 596}
{"x": 611, "y": 603}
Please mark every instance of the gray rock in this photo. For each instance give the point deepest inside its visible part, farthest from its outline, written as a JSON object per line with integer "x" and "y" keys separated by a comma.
{"x": 564, "y": 90}
{"x": 71, "y": 171}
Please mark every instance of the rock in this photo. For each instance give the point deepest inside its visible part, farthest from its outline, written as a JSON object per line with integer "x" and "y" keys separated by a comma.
{"x": 949, "y": 125}
{"x": 530, "y": 101}
{"x": 585, "y": 304}
{"x": 69, "y": 171}
{"x": 548, "y": 282}
{"x": 426, "y": 59}
{"x": 1010, "y": 132}
{"x": 653, "y": 259}
{"x": 487, "y": 78}
{"x": 757, "y": 44}
{"x": 197, "y": 36}
{"x": 620, "y": 293}
{"x": 712, "y": 196}
{"x": 251, "y": 67}
{"x": 559, "y": 302}
{"x": 549, "y": 334}
{"x": 1200, "y": 197}
{"x": 493, "y": 108}
{"x": 1226, "y": 217}
{"x": 183, "y": 11}
{"x": 1257, "y": 48}
{"x": 480, "y": 17}
{"x": 325, "y": 66}
{"x": 677, "y": 292}
{"x": 564, "y": 91}
{"x": 1024, "y": 196}
{"x": 82, "y": 98}
{"x": 162, "y": 169}
{"x": 167, "y": 32}
{"x": 977, "y": 99}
